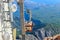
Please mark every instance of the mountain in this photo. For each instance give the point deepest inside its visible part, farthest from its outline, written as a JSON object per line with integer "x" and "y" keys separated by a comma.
{"x": 40, "y": 30}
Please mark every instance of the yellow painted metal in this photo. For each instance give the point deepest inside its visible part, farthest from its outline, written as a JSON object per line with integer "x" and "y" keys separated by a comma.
{"x": 14, "y": 34}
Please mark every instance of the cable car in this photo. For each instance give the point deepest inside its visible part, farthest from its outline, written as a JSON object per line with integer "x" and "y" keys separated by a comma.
{"x": 29, "y": 24}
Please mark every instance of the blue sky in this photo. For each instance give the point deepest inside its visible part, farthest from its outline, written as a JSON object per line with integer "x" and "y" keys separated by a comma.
{"x": 38, "y": 3}
{"x": 45, "y": 1}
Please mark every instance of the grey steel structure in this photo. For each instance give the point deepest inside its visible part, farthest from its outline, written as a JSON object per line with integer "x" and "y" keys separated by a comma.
{"x": 5, "y": 20}
{"x": 21, "y": 2}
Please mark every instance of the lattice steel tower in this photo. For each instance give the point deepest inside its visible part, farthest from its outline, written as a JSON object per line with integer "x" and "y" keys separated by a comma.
{"x": 5, "y": 21}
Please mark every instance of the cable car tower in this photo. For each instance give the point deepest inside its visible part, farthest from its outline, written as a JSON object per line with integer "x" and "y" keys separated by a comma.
{"x": 5, "y": 20}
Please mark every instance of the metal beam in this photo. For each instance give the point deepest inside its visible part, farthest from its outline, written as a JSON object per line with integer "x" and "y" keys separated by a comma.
{"x": 22, "y": 18}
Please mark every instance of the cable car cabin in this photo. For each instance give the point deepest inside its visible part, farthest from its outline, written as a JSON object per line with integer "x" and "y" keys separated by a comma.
{"x": 28, "y": 26}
